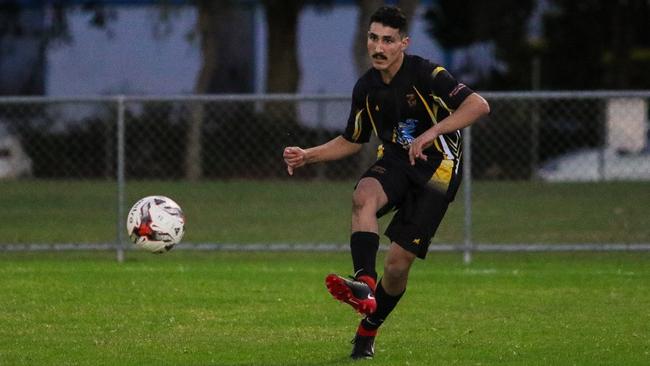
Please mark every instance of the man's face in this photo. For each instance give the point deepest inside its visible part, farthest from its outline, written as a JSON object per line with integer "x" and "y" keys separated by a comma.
{"x": 385, "y": 46}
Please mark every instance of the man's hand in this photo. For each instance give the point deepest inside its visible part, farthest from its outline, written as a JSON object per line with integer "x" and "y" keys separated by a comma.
{"x": 334, "y": 149}
{"x": 422, "y": 142}
{"x": 294, "y": 157}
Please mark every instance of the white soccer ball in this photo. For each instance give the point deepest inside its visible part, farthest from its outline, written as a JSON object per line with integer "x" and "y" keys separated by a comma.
{"x": 156, "y": 224}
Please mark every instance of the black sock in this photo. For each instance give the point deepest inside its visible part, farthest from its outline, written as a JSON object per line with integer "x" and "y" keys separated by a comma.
{"x": 364, "y": 246}
{"x": 385, "y": 305}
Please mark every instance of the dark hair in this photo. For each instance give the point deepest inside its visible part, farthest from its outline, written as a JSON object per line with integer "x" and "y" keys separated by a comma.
{"x": 390, "y": 16}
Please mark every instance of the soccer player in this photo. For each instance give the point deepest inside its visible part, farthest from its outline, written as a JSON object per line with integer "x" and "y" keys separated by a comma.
{"x": 416, "y": 108}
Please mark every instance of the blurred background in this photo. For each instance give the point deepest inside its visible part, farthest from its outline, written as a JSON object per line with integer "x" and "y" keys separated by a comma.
{"x": 105, "y": 101}
{"x": 79, "y": 47}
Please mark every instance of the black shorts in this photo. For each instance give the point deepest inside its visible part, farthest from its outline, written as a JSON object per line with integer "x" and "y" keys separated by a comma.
{"x": 420, "y": 194}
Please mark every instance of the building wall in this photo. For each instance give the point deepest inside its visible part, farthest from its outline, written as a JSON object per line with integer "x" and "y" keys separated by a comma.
{"x": 130, "y": 60}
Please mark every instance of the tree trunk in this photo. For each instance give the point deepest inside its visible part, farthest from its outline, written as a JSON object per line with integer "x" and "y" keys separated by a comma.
{"x": 211, "y": 16}
{"x": 283, "y": 72}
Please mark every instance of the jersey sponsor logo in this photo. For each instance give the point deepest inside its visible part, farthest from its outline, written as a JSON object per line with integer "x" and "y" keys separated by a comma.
{"x": 405, "y": 131}
{"x": 458, "y": 88}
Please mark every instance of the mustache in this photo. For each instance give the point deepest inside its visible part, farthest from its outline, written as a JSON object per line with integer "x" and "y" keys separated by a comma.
{"x": 379, "y": 56}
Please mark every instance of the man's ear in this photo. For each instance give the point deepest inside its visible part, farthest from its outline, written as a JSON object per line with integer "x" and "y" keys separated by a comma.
{"x": 405, "y": 43}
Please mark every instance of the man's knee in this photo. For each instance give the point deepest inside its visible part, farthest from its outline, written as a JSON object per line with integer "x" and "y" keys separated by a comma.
{"x": 396, "y": 270}
{"x": 367, "y": 195}
{"x": 360, "y": 200}
{"x": 398, "y": 262}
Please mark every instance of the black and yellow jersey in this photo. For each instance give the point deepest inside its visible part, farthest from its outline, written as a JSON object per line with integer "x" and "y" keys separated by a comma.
{"x": 419, "y": 95}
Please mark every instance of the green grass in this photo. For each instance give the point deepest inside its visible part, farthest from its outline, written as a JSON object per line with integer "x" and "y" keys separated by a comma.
{"x": 225, "y": 308}
{"x": 319, "y": 212}
{"x": 615, "y": 212}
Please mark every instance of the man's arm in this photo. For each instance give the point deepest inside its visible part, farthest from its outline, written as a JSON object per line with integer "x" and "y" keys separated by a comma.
{"x": 470, "y": 110}
{"x": 335, "y": 149}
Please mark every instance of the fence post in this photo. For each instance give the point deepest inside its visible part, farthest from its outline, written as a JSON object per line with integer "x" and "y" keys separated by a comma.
{"x": 320, "y": 126}
{"x": 121, "y": 228}
{"x": 605, "y": 138}
{"x": 467, "y": 190}
{"x": 534, "y": 139}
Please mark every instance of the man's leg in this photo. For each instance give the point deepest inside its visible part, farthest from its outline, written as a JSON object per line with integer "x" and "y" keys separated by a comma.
{"x": 367, "y": 199}
{"x": 389, "y": 291}
{"x": 392, "y": 285}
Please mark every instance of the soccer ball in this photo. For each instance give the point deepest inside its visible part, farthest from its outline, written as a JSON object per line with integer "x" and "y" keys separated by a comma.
{"x": 156, "y": 224}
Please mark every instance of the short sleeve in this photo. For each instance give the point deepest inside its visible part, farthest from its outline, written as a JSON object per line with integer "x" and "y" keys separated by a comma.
{"x": 447, "y": 88}
{"x": 358, "y": 128}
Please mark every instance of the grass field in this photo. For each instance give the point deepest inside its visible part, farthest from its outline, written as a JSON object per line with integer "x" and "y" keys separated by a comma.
{"x": 228, "y": 308}
{"x": 319, "y": 212}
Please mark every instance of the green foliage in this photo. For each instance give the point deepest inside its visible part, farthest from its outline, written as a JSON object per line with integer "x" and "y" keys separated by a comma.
{"x": 605, "y": 45}
{"x": 12, "y": 16}
{"x": 585, "y": 44}
{"x": 456, "y": 24}
{"x": 460, "y": 23}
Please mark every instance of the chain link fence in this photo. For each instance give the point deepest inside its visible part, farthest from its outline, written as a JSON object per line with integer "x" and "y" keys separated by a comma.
{"x": 550, "y": 137}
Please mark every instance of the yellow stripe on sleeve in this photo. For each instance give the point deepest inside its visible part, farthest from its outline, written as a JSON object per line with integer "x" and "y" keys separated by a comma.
{"x": 436, "y": 71}
{"x": 357, "y": 126}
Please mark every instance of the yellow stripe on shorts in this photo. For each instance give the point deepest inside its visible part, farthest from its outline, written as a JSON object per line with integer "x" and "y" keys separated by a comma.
{"x": 441, "y": 178}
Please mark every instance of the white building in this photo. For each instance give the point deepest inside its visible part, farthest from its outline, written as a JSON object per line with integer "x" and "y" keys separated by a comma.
{"x": 129, "y": 59}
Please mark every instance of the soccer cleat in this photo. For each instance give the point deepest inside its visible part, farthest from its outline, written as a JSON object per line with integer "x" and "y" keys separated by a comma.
{"x": 357, "y": 294}
{"x": 364, "y": 347}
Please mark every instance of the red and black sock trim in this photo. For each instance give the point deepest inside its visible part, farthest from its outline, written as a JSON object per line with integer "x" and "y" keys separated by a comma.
{"x": 365, "y": 332}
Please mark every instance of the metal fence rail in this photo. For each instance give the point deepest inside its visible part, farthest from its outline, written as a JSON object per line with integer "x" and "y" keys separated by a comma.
{"x": 542, "y": 136}
{"x": 320, "y": 247}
